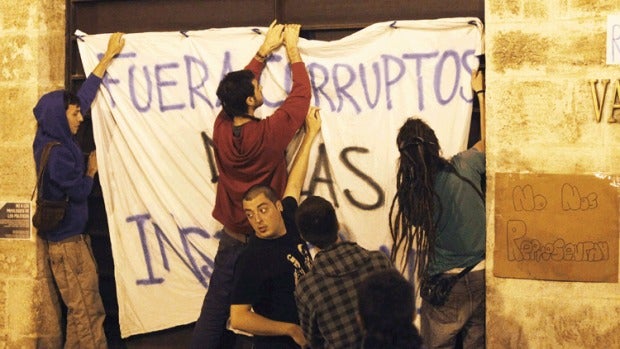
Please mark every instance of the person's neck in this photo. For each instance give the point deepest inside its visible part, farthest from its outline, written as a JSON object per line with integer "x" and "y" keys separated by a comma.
{"x": 318, "y": 249}
{"x": 277, "y": 236}
{"x": 241, "y": 120}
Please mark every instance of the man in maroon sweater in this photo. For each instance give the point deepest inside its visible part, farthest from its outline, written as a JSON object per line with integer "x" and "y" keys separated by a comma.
{"x": 248, "y": 151}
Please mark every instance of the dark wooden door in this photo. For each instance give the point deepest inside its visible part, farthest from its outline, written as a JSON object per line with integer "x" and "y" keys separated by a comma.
{"x": 320, "y": 19}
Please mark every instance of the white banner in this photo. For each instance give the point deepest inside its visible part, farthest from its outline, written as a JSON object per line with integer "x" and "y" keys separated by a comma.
{"x": 153, "y": 121}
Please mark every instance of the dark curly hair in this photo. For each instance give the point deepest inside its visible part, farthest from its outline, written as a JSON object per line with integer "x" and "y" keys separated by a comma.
{"x": 233, "y": 91}
{"x": 69, "y": 98}
{"x": 386, "y": 308}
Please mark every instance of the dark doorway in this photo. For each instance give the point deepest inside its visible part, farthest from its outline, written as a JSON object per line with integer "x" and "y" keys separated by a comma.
{"x": 320, "y": 19}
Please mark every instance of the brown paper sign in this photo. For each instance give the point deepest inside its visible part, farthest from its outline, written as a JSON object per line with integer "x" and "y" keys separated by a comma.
{"x": 556, "y": 227}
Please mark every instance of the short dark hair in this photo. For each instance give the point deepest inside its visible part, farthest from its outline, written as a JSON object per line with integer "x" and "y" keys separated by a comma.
{"x": 386, "y": 308}
{"x": 69, "y": 98}
{"x": 233, "y": 91}
{"x": 258, "y": 189}
{"x": 317, "y": 222}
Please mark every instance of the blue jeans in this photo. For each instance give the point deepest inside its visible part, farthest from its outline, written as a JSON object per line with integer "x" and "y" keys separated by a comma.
{"x": 463, "y": 313}
{"x": 210, "y": 329}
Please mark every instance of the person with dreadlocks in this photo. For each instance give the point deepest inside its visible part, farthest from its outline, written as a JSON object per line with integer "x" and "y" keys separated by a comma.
{"x": 439, "y": 211}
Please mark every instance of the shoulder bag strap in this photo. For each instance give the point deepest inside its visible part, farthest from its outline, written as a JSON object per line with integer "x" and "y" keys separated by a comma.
{"x": 465, "y": 271}
{"x": 470, "y": 183}
{"x": 44, "y": 157}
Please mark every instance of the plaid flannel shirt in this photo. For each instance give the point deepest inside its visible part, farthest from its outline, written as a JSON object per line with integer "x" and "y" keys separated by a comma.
{"x": 327, "y": 295}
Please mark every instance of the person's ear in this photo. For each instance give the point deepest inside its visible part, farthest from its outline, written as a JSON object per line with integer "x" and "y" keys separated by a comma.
{"x": 279, "y": 206}
{"x": 250, "y": 100}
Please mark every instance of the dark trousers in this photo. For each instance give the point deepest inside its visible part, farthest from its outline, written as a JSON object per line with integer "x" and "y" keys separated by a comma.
{"x": 463, "y": 316}
{"x": 210, "y": 329}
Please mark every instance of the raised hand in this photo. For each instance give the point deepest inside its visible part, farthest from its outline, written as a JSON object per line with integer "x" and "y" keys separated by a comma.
{"x": 312, "y": 124}
{"x": 115, "y": 44}
{"x": 273, "y": 39}
{"x": 291, "y": 38}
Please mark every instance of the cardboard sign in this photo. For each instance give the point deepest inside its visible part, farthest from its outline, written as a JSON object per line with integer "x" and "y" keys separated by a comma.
{"x": 556, "y": 227}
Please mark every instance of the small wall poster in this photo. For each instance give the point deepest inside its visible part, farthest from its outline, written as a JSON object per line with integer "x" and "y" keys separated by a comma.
{"x": 15, "y": 220}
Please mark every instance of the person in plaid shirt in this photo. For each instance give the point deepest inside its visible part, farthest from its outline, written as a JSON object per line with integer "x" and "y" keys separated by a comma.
{"x": 326, "y": 296}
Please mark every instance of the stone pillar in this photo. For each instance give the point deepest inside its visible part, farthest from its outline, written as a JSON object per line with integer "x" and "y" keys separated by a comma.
{"x": 540, "y": 119}
{"x": 31, "y": 63}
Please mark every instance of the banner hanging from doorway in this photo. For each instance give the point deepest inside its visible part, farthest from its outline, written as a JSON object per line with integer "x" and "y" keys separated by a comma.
{"x": 153, "y": 120}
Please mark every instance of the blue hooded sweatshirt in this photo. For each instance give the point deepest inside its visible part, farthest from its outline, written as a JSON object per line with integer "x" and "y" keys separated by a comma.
{"x": 65, "y": 176}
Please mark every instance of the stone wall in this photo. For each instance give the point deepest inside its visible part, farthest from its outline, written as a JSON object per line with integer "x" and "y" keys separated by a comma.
{"x": 31, "y": 63}
{"x": 540, "y": 56}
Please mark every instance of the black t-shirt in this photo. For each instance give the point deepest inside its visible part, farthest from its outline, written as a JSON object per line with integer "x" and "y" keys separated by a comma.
{"x": 266, "y": 273}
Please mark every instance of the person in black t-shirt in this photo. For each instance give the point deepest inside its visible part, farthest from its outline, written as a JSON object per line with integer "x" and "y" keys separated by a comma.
{"x": 263, "y": 301}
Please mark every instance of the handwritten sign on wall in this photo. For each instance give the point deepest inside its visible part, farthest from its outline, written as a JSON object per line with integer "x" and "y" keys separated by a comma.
{"x": 613, "y": 39}
{"x": 556, "y": 227}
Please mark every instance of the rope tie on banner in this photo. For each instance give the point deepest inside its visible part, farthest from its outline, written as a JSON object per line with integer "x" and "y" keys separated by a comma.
{"x": 257, "y": 31}
{"x": 184, "y": 33}
{"x": 393, "y": 25}
{"x": 79, "y": 37}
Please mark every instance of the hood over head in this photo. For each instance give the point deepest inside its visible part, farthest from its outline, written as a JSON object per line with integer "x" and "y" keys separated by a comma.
{"x": 52, "y": 124}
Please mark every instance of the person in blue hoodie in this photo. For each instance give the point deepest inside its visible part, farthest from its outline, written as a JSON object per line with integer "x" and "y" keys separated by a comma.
{"x": 67, "y": 177}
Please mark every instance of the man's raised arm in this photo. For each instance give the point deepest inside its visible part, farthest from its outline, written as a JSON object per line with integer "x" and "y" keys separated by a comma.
{"x": 477, "y": 85}
{"x": 297, "y": 175}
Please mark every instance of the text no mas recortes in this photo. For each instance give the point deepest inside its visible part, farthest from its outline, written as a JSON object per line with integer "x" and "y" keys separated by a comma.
{"x": 332, "y": 86}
